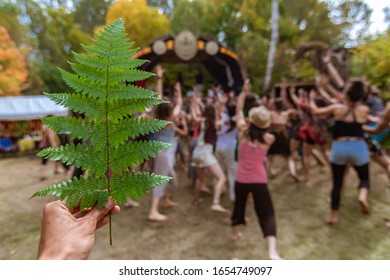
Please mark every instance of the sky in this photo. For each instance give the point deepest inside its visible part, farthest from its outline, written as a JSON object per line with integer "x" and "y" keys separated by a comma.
{"x": 378, "y": 17}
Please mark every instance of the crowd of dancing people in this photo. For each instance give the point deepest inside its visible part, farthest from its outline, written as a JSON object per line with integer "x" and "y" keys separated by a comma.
{"x": 233, "y": 138}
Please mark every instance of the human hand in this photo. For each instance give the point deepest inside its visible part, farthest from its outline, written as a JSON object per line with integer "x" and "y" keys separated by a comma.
{"x": 159, "y": 71}
{"x": 177, "y": 88}
{"x": 328, "y": 57}
{"x": 247, "y": 86}
{"x": 68, "y": 233}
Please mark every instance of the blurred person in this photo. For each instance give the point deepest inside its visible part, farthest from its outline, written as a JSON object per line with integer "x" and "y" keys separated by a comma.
{"x": 226, "y": 144}
{"x": 349, "y": 146}
{"x": 203, "y": 158}
{"x": 279, "y": 119}
{"x": 164, "y": 162}
{"x": 49, "y": 139}
{"x": 251, "y": 178}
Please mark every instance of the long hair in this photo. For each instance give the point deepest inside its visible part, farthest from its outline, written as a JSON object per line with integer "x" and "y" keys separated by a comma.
{"x": 231, "y": 110}
{"x": 209, "y": 115}
{"x": 356, "y": 91}
{"x": 254, "y": 133}
{"x": 164, "y": 110}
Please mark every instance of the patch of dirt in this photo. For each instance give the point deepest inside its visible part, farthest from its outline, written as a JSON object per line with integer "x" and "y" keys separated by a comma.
{"x": 197, "y": 232}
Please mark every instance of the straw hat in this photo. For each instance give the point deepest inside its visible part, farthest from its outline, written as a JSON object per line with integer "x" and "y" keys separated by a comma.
{"x": 260, "y": 117}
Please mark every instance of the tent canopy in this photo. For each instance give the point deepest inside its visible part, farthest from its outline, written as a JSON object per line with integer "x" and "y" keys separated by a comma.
{"x": 28, "y": 108}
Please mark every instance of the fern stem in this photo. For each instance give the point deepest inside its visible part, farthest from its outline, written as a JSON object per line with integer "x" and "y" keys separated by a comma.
{"x": 107, "y": 138}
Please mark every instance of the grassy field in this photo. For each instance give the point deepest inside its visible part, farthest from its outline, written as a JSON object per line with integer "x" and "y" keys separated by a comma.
{"x": 198, "y": 233}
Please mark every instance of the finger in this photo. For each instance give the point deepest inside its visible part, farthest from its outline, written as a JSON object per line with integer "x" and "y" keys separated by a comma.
{"x": 97, "y": 214}
{"x": 102, "y": 222}
{"x": 82, "y": 213}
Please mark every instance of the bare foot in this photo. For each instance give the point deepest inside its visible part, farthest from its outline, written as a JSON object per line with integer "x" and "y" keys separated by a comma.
{"x": 131, "y": 203}
{"x": 275, "y": 256}
{"x": 170, "y": 204}
{"x": 205, "y": 189}
{"x": 236, "y": 236}
{"x": 296, "y": 178}
{"x": 333, "y": 219}
{"x": 218, "y": 208}
{"x": 157, "y": 217}
{"x": 364, "y": 206}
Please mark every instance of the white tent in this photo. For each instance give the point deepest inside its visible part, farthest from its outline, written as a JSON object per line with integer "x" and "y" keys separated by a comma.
{"x": 28, "y": 107}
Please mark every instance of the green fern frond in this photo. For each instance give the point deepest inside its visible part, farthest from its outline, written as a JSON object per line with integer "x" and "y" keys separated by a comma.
{"x": 102, "y": 94}
{"x": 131, "y": 92}
{"x": 77, "y": 103}
{"x": 81, "y": 155}
{"x": 139, "y": 183}
{"x": 83, "y": 85}
{"x": 100, "y": 63}
{"x": 133, "y": 127}
{"x": 133, "y": 153}
{"x": 121, "y": 108}
{"x": 87, "y": 192}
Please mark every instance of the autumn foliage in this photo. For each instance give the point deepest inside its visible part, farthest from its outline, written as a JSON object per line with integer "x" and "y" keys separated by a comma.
{"x": 13, "y": 71}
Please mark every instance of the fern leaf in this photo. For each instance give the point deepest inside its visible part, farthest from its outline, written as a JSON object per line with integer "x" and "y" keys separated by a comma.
{"x": 83, "y": 85}
{"x": 84, "y": 191}
{"x": 132, "y": 128}
{"x": 121, "y": 108}
{"x": 131, "y": 92}
{"x": 133, "y": 153}
{"x": 79, "y": 155}
{"x": 78, "y": 103}
{"x": 101, "y": 93}
{"x": 134, "y": 185}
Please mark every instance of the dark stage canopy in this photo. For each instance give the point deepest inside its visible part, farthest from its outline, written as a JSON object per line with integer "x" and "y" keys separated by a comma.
{"x": 223, "y": 64}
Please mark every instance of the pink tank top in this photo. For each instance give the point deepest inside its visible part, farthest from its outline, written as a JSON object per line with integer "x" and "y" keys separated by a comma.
{"x": 250, "y": 165}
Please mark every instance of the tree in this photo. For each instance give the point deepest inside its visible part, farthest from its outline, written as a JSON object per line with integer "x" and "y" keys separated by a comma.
{"x": 9, "y": 13}
{"x": 354, "y": 18}
{"x": 372, "y": 60}
{"x": 13, "y": 71}
{"x": 143, "y": 24}
{"x": 56, "y": 36}
{"x": 91, "y": 13}
{"x": 273, "y": 43}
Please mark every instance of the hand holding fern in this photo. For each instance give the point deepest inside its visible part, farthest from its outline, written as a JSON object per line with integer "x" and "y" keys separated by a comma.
{"x": 67, "y": 233}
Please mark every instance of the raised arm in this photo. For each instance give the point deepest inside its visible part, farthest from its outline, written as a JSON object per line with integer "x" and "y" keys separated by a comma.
{"x": 241, "y": 124}
{"x": 159, "y": 84}
{"x": 332, "y": 71}
{"x": 178, "y": 99}
{"x": 319, "y": 111}
{"x": 182, "y": 131}
{"x": 294, "y": 97}
{"x": 283, "y": 94}
{"x": 320, "y": 82}
{"x": 381, "y": 126}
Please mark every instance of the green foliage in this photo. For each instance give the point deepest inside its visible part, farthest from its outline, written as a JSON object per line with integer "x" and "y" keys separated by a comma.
{"x": 372, "y": 60}
{"x": 109, "y": 126}
{"x": 143, "y": 24}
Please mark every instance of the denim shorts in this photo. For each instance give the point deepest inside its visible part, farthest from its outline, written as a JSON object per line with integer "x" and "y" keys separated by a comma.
{"x": 352, "y": 152}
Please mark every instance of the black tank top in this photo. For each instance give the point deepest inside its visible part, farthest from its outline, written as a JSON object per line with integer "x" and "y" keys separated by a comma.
{"x": 343, "y": 128}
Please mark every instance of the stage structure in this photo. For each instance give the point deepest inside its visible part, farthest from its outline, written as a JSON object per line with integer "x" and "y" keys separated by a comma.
{"x": 222, "y": 63}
